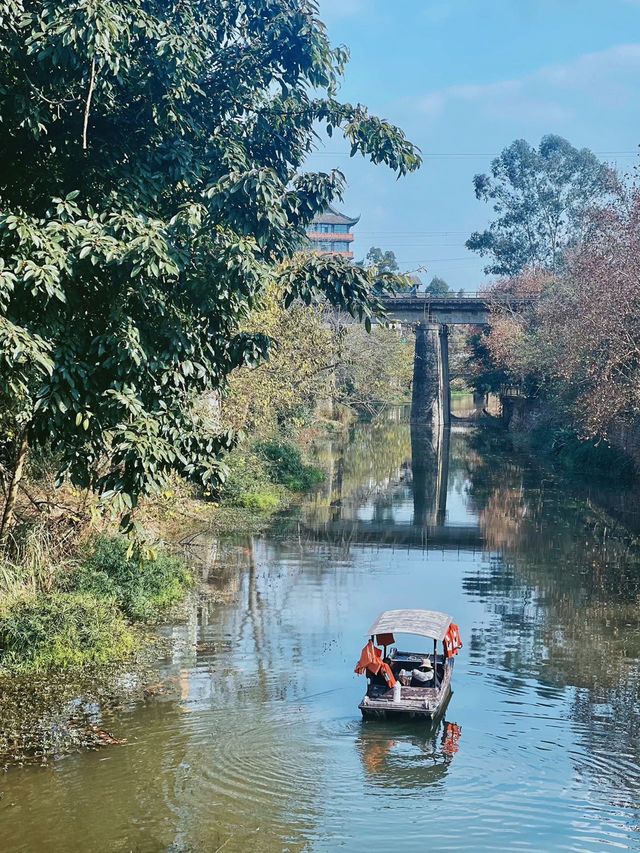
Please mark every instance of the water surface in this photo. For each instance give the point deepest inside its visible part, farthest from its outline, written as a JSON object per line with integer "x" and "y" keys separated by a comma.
{"x": 257, "y": 744}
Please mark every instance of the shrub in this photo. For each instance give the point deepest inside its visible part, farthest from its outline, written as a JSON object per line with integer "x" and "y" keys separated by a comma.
{"x": 60, "y": 630}
{"x": 286, "y": 466}
{"x": 141, "y": 587}
{"x": 262, "y": 501}
{"x": 248, "y": 483}
{"x": 591, "y": 459}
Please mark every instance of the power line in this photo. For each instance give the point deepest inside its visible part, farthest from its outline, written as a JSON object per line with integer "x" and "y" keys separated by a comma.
{"x": 411, "y": 233}
{"x": 462, "y": 155}
{"x": 435, "y": 260}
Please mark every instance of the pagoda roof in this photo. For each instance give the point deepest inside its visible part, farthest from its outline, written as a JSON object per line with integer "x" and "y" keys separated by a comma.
{"x": 334, "y": 217}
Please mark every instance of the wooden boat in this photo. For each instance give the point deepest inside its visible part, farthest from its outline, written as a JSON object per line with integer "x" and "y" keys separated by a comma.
{"x": 408, "y": 684}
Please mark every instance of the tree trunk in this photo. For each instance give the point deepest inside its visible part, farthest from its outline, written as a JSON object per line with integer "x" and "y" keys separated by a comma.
{"x": 12, "y": 492}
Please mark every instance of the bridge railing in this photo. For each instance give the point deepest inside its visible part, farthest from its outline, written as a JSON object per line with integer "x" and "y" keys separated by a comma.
{"x": 511, "y": 391}
{"x": 483, "y": 295}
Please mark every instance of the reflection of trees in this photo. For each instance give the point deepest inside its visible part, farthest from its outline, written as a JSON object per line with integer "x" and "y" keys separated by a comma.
{"x": 366, "y": 470}
{"x": 567, "y": 596}
{"x": 247, "y": 738}
{"x": 557, "y": 577}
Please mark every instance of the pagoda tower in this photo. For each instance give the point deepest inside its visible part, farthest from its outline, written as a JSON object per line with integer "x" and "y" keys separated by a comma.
{"x": 330, "y": 233}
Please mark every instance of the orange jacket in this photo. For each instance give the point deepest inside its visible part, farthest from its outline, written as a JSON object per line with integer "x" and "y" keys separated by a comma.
{"x": 452, "y": 642}
{"x": 371, "y": 661}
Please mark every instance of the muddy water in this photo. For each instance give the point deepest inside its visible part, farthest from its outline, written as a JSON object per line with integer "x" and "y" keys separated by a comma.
{"x": 256, "y": 742}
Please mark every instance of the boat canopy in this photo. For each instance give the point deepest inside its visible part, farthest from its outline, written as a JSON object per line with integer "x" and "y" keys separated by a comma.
{"x": 425, "y": 623}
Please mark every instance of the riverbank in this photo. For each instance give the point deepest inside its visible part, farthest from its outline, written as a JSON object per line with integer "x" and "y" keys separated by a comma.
{"x": 79, "y": 624}
{"x": 540, "y": 429}
{"x": 110, "y": 582}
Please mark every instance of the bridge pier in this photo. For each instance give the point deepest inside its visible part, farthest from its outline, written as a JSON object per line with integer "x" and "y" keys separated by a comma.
{"x": 431, "y": 394}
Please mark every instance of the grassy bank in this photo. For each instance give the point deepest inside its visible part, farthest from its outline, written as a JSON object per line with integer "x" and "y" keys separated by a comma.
{"x": 86, "y": 609}
{"x": 84, "y": 604}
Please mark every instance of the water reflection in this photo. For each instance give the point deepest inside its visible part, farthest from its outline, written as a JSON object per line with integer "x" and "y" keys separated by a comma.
{"x": 255, "y": 743}
{"x": 405, "y": 757}
{"x": 408, "y": 492}
{"x": 430, "y": 475}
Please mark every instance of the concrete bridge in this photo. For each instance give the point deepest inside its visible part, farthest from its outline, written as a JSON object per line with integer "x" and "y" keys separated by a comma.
{"x": 450, "y": 310}
{"x": 431, "y": 317}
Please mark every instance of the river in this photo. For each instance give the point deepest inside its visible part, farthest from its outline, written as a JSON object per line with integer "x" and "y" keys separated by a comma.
{"x": 257, "y": 746}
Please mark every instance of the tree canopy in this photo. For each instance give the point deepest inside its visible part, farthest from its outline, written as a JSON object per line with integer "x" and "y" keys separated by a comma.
{"x": 437, "y": 287}
{"x": 540, "y": 197}
{"x": 381, "y": 261}
{"x": 151, "y": 189}
{"x": 383, "y": 269}
{"x": 578, "y": 341}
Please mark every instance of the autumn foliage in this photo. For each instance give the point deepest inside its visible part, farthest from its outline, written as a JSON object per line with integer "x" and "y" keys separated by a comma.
{"x": 579, "y": 340}
{"x": 590, "y": 322}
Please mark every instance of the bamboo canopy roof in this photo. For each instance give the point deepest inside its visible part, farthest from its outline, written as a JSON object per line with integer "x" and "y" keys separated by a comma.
{"x": 425, "y": 623}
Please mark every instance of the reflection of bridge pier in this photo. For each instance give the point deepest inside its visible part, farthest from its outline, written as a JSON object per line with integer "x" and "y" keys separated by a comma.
{"x": 383, "y": 517}
{"x": 430, "y": 466}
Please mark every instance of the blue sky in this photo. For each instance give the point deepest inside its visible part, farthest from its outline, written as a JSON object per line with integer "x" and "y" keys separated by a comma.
{"x": 464, "y": 78}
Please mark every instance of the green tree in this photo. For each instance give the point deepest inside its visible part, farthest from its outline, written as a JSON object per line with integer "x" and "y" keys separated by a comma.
{"x": 375, "y": 369}
{"x": 437, "y": 287}
{"x": 540, "y": 197}
{"x": 286, "y": 388}
{"x": 381, "y": 261}
{"x": 150, "y": 191}
{"x": 383, "y": 269}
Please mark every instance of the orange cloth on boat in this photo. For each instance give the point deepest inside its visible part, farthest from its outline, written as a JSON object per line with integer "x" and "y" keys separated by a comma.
{"x": 387, "y": 673}
{"x": 452, "y": 642}
{"x": 371, "y": 661}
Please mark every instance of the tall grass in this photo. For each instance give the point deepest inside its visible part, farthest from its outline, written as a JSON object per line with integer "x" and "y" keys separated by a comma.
{"x": 60, "y": 630}
{"x": 60, "y": 608}
{"x": 35, "y": 560}
{"x": 139, "y": 586}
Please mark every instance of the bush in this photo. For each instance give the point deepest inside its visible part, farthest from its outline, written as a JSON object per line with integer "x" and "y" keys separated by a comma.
{"x": 60, "y": 630}
{"x": 594, "y": 460}
{"x": 262, "y": 501}
{"x": 286, "y": 466}
{"x": 140, "y": 587}
{"x": 248, "y": 483}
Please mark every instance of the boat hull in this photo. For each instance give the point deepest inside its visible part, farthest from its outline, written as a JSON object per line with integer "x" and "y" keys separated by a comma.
{"x": 382, "y": 708}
